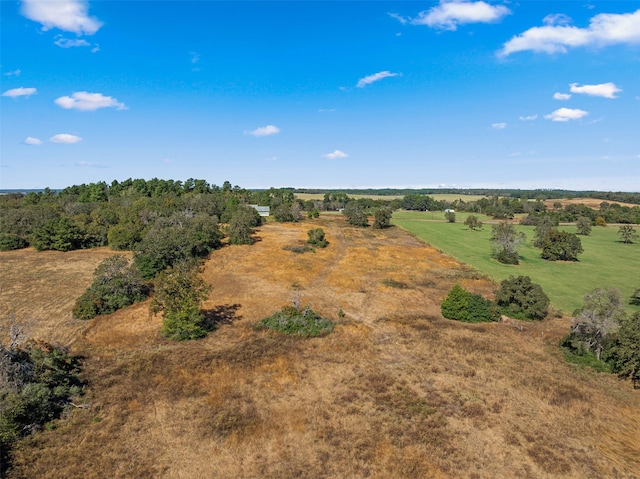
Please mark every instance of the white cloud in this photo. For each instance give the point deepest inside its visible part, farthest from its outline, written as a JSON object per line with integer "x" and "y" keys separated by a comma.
{"x": 16, "y": 92}
{"x": 32, "y": 141}
{"x": 398, "y": 17}
{"x": 69, "y": 43}
{"x": 561, "y": 96}
{"x": 605, "y": 90}
{"x": 264, "y": 131}
{"x": 335, "y": 155}
{"x": 566, "y": 114}
{"x": 67, "y": 15}
{"x": 604, "y": 29}
{"x": 195, "y": 57}
{"x": 85, "y": 101}
{"x": 528, "y": 118}
{"x": 90, "y": 164}
{"x": 375, "y": 77}
{"x": 14, "y": 73}
{"x": 556, "y": 19}
{"x": 449, "y": 14}
{"x": 499, "y": 126}
{"x": 65, "y": 138}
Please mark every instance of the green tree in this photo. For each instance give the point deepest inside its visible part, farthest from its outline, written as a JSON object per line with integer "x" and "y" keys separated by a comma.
{"x": 462, "y": 305}
{"x": 544, "y": 225}
{"x": 624, "y": 351}
{"x": 316, "y": 238}
{"x": 627, "y": 234}
{"x": 505, "y": 240}
{"x": 382, "y": 217}
{"x": 179, "y": 293}
{"x": 598, "y": 318}
{"x": 473, "y": 223}
{"x": 519, "y": 298}
{"x": 116, "y": 285}
{"x": 60, "y": 234}
{"x": 450, "y": 216}
{"x": 635, "y": 298}
{"x": 583, "y": 225}
{"x": 241, "y": 224}
{"x": 124, "y": 236}
{"x": 356, "y": 216}
{"x": 561, "y": 245}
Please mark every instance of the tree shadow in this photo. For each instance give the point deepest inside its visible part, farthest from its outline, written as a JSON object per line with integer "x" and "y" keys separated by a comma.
{"x": 223, "y": 314}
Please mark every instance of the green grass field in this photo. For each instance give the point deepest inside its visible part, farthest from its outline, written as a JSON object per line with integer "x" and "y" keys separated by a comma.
{"x": 604, "y": 263}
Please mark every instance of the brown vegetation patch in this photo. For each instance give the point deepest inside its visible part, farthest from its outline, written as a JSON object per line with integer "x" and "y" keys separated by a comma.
{"x": 395, "y": 391}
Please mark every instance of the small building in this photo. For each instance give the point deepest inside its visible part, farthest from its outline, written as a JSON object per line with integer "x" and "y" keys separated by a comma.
{"x": 262, "y": 210}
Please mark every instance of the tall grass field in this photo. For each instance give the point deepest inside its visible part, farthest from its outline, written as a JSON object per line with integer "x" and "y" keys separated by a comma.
{"x": 605, "y": 262}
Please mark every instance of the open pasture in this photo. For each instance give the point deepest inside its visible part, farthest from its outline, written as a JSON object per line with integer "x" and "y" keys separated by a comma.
{"x": 605, "y": 262}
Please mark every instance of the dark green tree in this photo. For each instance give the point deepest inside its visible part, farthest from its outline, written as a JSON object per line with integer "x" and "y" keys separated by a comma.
{"x": 624, "y": 351}
{"x": 450, "y": 216}
{"x": 59, "y": 234}
{"x": 355, "y": 215}
{"x": 179, "y": 293}
{"x": 561, "y": 246}
{"x": 241, "y": 225}
{"x": 116, "y": 284}
{"x": 462, "y": 305}
{"x": 505, "y": 240}
{"x": 382, "y": 217}
{"x": 519, "y": 298}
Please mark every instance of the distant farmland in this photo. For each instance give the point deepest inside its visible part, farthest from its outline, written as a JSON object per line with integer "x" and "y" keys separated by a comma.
{"x": 439, "y": 197}
{"x": 605, "y": 262}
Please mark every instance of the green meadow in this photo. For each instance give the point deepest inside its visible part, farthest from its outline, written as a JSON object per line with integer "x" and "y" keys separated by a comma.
{"x": 605, "y": 262}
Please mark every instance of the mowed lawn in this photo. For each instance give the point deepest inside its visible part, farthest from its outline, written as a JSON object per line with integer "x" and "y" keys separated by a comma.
{"x": 605, "y": 262}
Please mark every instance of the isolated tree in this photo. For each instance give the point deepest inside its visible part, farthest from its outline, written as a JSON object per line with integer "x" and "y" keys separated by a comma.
{"x": 382, "y": 217}
{"x": 505, "y": 240}
{"x": 624, "y": 351}
{"x": 561, "y": 246}
{"x": 627, "y": 234}
{"x": 583, "y": 225}
{"x": 600, "y": 221}
{"x": 593, "y": 324}
{"x": 519, "y": 298}
{"x": 635, "y": 298}
{"x": 179, "y": 293}
{"x": 356, "y": 216}
{"x": 473, "y": 223}
{"x": 544, "y": 225}
{"x": 241, "y": 224}
{"x": 450, "y": 216}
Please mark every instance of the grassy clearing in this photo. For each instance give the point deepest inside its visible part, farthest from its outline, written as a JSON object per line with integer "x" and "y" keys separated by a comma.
{"x": 605, "y": 262}
{"x": 394, "y": 392}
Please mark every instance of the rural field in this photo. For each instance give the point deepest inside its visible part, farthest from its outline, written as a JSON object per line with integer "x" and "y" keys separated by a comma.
{"x": 436, "y": 196}
{"x": 395, "y": 391}
{"x": 605, "y": 262}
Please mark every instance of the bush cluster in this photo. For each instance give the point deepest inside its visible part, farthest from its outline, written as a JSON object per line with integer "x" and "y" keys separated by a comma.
{"x": 117, "y": 284}
{"x": 468, "y": 307}
{"x": 37, "y": 381}
{"x": 298, "y": 321}
{"x": 316, "y": 238}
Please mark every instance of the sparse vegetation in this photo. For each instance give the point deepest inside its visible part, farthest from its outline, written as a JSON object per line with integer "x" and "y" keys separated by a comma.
{"x": 297, "y": 321}
{"x": 316, "y": 238}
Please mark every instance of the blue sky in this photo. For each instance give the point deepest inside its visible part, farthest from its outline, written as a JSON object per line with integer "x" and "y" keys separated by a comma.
{"x": 335, "y": 94}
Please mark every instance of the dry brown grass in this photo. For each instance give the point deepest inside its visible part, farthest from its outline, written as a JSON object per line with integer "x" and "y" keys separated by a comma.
{"x": 396, "y": 391}
{"x": 593, "y": 203}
